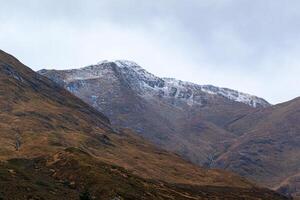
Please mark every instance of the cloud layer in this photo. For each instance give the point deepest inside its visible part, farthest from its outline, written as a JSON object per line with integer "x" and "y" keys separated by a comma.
{"x": 249, "y": 45}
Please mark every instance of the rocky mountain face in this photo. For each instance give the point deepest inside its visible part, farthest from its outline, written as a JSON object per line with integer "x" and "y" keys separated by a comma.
{"x": 53, "y": 144}
{"x": 183, "y": 117}
{"x": 207, "y": 125}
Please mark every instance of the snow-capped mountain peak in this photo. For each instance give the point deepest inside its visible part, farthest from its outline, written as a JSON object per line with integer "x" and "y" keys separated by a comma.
{"x": 149, "y": 85}
{"x": 120, "y": 63}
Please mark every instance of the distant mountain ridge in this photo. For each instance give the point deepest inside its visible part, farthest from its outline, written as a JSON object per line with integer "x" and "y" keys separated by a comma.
{"x": 147, "y": 83}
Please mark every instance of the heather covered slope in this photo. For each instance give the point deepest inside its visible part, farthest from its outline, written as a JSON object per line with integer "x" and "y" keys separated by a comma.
{"x": 37, "y": 115}
{"x": 74, "y": 174}
{"x": 39, "y": 120}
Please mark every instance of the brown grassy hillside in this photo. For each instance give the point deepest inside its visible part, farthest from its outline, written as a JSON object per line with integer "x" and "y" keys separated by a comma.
{"x": 268, "y": 150}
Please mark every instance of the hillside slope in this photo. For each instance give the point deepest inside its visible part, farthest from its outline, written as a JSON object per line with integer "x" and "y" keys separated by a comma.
{"x": 269, "y": 149}
{"x": 74, "y": 174}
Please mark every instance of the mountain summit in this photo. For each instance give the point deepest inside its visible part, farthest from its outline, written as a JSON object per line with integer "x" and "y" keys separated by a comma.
{"x": 148, "y": 84}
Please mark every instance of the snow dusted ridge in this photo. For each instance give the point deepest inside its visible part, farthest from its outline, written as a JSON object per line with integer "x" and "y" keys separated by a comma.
{"x": 149, "y": 85}
{"x": 121, "y": 63}
{"x": 230, "y": 94}
{"x": 234, "y": 95}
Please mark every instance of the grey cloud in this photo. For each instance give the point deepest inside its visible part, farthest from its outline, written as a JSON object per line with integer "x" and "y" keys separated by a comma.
{"x": 243, "y": 44}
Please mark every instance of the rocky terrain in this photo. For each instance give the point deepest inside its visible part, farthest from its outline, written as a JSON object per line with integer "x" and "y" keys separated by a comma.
{"x": 208, "y": 125}
{"x": 55, "y": 146}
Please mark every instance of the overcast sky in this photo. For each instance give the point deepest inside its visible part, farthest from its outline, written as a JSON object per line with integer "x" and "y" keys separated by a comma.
{"x": 248, "y": 45}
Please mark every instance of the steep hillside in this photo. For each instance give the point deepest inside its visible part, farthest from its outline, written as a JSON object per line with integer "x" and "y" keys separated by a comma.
{"x": 36, "y": 115}
{"x": 183, "y": 117}
{"x": 269, "y": 149}
{"x": 53, "y": 144}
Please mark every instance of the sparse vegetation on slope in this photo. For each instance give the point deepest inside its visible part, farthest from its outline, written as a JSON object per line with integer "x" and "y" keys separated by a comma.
{"x": 74, "y": 174}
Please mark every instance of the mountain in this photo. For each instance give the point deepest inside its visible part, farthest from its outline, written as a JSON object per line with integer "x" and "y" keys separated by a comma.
{"x": 53, "y": 145}
{"x": 146, "y": 83}
{"x": 207, "y": 125}
{"x": 182, "y": 117}
{"x": 268, "y": 150}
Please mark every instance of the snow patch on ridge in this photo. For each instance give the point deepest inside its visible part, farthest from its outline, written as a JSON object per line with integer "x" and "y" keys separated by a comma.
{"x": 149, "y": 85}
{"x": 235, "y": 95}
